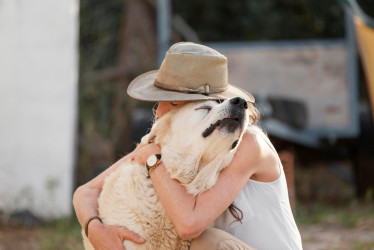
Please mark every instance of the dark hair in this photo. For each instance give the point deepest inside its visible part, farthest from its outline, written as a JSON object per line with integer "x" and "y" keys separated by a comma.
{"x": 236, "y": 212}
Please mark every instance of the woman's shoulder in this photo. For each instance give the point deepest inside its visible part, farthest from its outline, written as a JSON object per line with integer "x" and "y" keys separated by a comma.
{"x": 253, "y": 141}
{"x": 255, "y": 149}
{"x": 248, "y": 155}
{"x": 256, "y": 139}
{"x": 266, "y": 166}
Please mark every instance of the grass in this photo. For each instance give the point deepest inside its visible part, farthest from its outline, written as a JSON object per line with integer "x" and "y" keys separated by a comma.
{"x": 349, "y": 215}
{"x": 364, "y": 246}
{"x": 64, "y": 234}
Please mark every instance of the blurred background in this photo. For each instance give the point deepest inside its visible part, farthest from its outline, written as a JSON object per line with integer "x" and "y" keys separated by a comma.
{"x": 65, "y": 115}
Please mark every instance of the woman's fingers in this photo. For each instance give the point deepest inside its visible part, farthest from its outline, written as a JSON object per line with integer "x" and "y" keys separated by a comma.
{"x": 129, "y": 235}
{"x": 106, "y": 237}
{"x": 141, "y": 153}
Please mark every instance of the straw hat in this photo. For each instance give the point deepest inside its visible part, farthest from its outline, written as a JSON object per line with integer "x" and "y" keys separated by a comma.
{"x": 189, "y": 72}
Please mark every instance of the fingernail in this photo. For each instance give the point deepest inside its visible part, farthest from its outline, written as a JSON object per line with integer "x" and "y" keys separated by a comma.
{"x": 141, "y": 239}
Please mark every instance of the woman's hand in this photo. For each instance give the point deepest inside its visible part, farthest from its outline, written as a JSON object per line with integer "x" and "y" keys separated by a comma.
{"x": 85, "y": 201}
{"x": 142, "y": 152}
{"x": 106, "y": 237}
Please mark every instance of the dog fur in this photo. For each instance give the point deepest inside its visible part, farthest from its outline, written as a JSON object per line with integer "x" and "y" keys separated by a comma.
{"x": 197, "y": 141}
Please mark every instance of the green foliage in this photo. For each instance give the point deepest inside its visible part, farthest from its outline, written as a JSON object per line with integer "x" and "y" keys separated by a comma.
{"x": 364, "y": 246}
{"x": 100, "y": 22}
{"x": 367, "y": 6}
{"x": 95, "y": 108}
{"x": 63, "y": 234}
{"x": 348, "y": 216}
{"x": 220, "y": 20}
{"x": 369, "y": 195}
{"x": 98, "y": 42}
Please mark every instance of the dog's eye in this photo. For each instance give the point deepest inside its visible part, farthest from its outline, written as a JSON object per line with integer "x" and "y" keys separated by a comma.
{"x": 208, "y": 108}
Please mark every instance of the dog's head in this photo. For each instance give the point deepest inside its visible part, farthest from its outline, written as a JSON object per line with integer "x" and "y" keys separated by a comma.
{"x": 199, "y": 139}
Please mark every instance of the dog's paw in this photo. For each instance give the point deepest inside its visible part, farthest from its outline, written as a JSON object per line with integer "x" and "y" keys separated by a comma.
{"x": 146, "y": 139}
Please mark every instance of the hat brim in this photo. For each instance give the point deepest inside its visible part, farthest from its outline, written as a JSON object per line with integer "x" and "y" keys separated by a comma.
{"x": 142, "y": 88}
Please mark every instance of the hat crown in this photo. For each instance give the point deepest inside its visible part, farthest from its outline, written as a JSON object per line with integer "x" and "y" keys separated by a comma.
{"x": 193, "y": 49}
{"x": 193, "y": 68}
{"x": 189, "y": 72}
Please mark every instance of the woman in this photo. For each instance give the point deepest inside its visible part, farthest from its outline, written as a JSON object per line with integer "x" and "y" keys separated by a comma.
{"x": 254, "y": 181}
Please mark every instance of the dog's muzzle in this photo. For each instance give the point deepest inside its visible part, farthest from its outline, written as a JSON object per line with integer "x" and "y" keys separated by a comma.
{"x": 233, "y": 121}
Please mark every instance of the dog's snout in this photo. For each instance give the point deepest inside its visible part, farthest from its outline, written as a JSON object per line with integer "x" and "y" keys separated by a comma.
{"x": 239, "y": 102}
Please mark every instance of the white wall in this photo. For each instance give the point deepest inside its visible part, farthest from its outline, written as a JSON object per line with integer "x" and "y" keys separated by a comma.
{"x": 38, "y": 104}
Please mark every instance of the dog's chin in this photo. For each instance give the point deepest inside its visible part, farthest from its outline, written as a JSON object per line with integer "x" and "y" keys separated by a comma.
{"x": 227, "y": 125}
{"x": 231, "y": 125}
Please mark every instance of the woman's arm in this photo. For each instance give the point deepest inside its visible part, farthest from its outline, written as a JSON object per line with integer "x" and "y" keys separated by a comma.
{"x": 85, "y": 198}
{"x": 191, "y": 215}
{"x": 85, "y": 202}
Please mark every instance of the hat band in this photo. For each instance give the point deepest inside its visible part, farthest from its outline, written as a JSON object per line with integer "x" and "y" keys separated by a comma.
{"x": 204, "y": 89}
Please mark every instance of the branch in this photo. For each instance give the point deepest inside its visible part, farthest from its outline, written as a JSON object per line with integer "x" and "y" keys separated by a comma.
{"x": 180, "y": 25}
{"x": 109, "y": 74}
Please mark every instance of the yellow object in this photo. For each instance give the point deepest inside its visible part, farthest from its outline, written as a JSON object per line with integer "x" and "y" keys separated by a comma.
{"x": 365, "y": 40}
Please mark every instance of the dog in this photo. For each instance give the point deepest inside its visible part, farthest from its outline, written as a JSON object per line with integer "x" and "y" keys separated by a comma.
{"x": 197, "y": 141}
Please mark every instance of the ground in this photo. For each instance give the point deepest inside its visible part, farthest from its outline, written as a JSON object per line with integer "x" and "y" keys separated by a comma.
{"x": 327, "y": 214}
{"x": 321, "y": 237}
{"x": 58, "y": 235}
{"x": 321, "y": 227}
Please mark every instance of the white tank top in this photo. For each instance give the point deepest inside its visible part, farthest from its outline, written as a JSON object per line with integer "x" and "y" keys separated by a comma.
{"x": 267, "y": 222}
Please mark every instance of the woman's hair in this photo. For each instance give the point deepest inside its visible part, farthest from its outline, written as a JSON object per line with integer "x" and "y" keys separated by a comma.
{"x": 254, "y": 114}
{"x": 236, "y": 212}
{"x": 154, "y": 110}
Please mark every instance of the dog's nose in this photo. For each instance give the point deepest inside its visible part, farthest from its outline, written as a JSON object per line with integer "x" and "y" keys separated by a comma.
{"x": 239, "y": 102}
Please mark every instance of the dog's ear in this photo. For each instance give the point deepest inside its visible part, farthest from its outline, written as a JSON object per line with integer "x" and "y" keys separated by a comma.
{"x": 158, "y": 131}
{"x": 180, "y": 164}
{"x": 146, "y": 139}
{"x": 208, "y": 174}
{"x": 205, "y": 178}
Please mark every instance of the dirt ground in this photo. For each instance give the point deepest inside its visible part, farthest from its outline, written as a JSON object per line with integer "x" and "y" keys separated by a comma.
{"x": 18, "y": 239}
{"x": 315, "y": 237}
{"x": 325, "y": 236}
